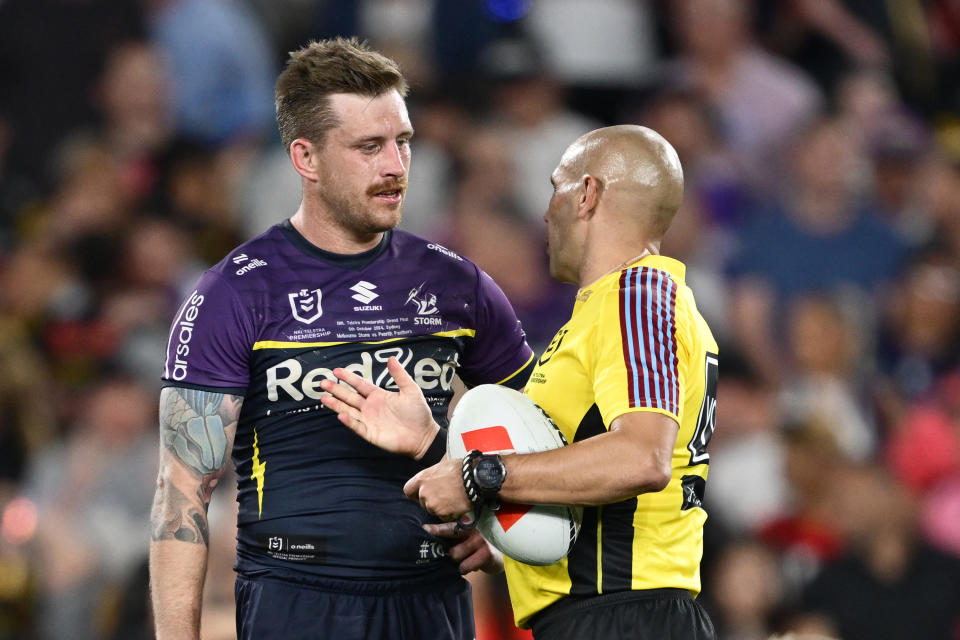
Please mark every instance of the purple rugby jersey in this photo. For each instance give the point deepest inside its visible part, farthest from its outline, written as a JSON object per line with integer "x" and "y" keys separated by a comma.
{"x": 271, "y": 321}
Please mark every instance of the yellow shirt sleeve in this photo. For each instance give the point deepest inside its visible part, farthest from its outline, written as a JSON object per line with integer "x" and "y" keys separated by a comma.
{"x": 634, "y": 347}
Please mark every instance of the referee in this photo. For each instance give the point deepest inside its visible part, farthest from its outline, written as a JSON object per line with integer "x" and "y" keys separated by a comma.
{"x": 630, "y": 379}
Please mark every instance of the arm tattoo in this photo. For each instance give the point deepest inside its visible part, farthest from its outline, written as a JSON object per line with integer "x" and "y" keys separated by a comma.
{"x": 192, "y": 428}
{"x": 196, "y": 431}
{"x": 178, "y": 518}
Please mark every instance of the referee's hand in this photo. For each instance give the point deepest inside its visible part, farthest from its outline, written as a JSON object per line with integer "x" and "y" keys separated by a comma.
{"x": 439, "y": 490}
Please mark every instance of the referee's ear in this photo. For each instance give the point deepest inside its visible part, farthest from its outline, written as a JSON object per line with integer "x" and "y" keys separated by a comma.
{"x": 305, "y": 157}
{"x": 590, "y": 190}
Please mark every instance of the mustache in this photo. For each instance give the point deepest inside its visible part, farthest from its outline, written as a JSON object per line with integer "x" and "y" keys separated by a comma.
{"x": 393, "y": 185}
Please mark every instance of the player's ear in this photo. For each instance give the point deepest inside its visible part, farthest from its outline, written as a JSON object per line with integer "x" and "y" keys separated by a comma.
{"x": 305, "y": 157}
{"x": 590, "y": 190}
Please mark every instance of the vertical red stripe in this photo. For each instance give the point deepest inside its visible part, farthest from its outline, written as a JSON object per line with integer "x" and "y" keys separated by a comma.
{"x": 624, "y": 344}
{"x": 666, "y": 337}
{"x": 663, "y": 376}
{"x": 672, "y": 327}
{"x": 645, "y": 287}
{"x": 651, "y": 333}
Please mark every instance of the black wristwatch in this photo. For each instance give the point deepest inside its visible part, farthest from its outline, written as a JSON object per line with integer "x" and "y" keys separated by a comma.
{"x": 483, "y": 477}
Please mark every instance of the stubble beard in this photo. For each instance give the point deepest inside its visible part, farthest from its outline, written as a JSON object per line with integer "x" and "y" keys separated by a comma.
{"x": 358, "y": 216}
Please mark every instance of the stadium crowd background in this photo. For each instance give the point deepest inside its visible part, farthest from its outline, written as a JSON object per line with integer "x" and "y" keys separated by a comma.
{"x": 821, "y": 228}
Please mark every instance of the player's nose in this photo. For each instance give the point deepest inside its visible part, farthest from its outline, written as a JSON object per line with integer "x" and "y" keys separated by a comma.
{"x": 395, "y": 161}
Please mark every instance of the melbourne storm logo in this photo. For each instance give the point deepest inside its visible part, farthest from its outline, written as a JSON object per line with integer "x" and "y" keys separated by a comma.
{"x": 426, "y": 304}
{"x": 305, "y": 305}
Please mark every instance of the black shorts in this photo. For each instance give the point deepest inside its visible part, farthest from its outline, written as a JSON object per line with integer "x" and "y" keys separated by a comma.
{"x": 270, "y": 609}
{"x": 653, "y": 614}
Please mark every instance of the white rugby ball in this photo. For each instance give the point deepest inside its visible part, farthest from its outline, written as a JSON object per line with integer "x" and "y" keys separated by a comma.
{"x": 497, "y": 419}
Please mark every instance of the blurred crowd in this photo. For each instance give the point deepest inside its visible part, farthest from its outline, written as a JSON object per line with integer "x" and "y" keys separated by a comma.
{"x": 821, "y": 228}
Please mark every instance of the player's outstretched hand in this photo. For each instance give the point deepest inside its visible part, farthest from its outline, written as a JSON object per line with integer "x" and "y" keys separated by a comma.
{"x": 399, "y": 422}
{"x": 472, "y": 552}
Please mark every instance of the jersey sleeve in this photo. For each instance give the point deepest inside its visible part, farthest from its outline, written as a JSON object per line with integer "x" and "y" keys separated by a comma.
{"x": 635, "y": 365}
{"x": 499, "y": 352}
{"x": 210, "y": 339}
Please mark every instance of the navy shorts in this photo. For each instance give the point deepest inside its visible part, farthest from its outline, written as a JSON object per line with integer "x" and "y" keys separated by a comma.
{"x": 273, "y": 609}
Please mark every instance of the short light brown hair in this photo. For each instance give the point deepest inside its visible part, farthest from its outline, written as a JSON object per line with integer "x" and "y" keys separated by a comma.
{"x": 322, "y": 68}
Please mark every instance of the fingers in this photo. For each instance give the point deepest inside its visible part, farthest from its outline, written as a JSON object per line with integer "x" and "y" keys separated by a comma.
{"x": 347, "y": 414}
{"x": 475, "y": 561}
{"x": 412, "y": 488}
{"x": 472, "y": 553}
{"x": 470, "y": 545}
{"x": 400, "y": 376}
{"x": 342, "y": 392}
{"x": 335, "y": 405}
{"x": 363, "y": 387}
{"x": 476, "y": 554}
{"x": 446, "y": 530}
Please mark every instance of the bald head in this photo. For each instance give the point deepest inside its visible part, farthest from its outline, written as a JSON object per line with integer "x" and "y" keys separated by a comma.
{"x": 639, "y": 173}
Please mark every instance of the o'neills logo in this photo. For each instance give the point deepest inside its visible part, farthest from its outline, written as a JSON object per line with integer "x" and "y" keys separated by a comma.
{"x": 444, "y": 251}
{"x": 182, "y": 334}
{"x": 250, "y": 266}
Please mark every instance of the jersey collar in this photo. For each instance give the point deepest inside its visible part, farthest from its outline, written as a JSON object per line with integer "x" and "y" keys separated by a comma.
{"x": 347, "y": 261}
{"x": 676, "y": 269}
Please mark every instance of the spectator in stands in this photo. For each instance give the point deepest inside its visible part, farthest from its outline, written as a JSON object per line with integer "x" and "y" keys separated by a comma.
{"x": 760, "y": 100}
{"x": 890, "y": 584}
{"x": 529, "y": 103}
{"x": 816, "y": 238}
{"x": 826, "y": 347}
{"x": 746, "y": 445}
{"x": 92, "y": 493}
{"x": 804, "y": 535}
{"x": 221, "y": 68}
{"x": 920, "y": 340}
{"x": 747, "y": 589}
{"x": 132, "y": 96}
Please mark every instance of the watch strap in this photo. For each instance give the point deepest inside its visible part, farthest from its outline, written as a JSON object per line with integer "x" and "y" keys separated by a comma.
{"x": 469, "y": 483}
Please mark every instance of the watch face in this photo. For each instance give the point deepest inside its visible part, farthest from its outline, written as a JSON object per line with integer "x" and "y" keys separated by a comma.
{"x": 489, "y": 473}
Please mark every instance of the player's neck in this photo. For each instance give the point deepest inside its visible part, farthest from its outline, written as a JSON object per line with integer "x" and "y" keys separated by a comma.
{"x": 326, "y": 234}
{"x": 598, "y": 264}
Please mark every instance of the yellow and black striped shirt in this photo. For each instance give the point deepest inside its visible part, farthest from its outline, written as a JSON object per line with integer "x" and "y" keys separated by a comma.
{"x": 635, "y": 342}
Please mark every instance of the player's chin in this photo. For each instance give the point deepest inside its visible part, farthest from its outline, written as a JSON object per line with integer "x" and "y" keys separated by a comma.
{"x": 384, "y": 218}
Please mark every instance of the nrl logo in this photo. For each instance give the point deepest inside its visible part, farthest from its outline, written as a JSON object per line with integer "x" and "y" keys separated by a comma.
{"x": 305, "y": 305}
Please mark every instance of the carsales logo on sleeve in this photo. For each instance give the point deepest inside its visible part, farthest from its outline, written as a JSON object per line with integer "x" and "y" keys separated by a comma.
{"x": 181, "y": 335}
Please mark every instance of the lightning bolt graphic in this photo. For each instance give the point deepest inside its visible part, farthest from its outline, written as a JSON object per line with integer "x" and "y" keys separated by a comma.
{"x": 259, "y": 468}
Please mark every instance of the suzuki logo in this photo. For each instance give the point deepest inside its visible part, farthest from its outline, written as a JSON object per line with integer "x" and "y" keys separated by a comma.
{"x": 305, "y": 305}
{"x": 364, "y": 292}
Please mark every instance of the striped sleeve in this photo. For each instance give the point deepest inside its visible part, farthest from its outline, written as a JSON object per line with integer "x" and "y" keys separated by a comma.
{"x": 647, "y": 305}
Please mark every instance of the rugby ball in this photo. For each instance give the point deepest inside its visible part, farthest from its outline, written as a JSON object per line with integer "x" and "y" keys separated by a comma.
{"x": 495, "y": 419}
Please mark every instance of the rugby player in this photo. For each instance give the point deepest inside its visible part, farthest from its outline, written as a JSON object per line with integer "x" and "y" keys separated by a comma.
{"x": 327, "y": 544}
